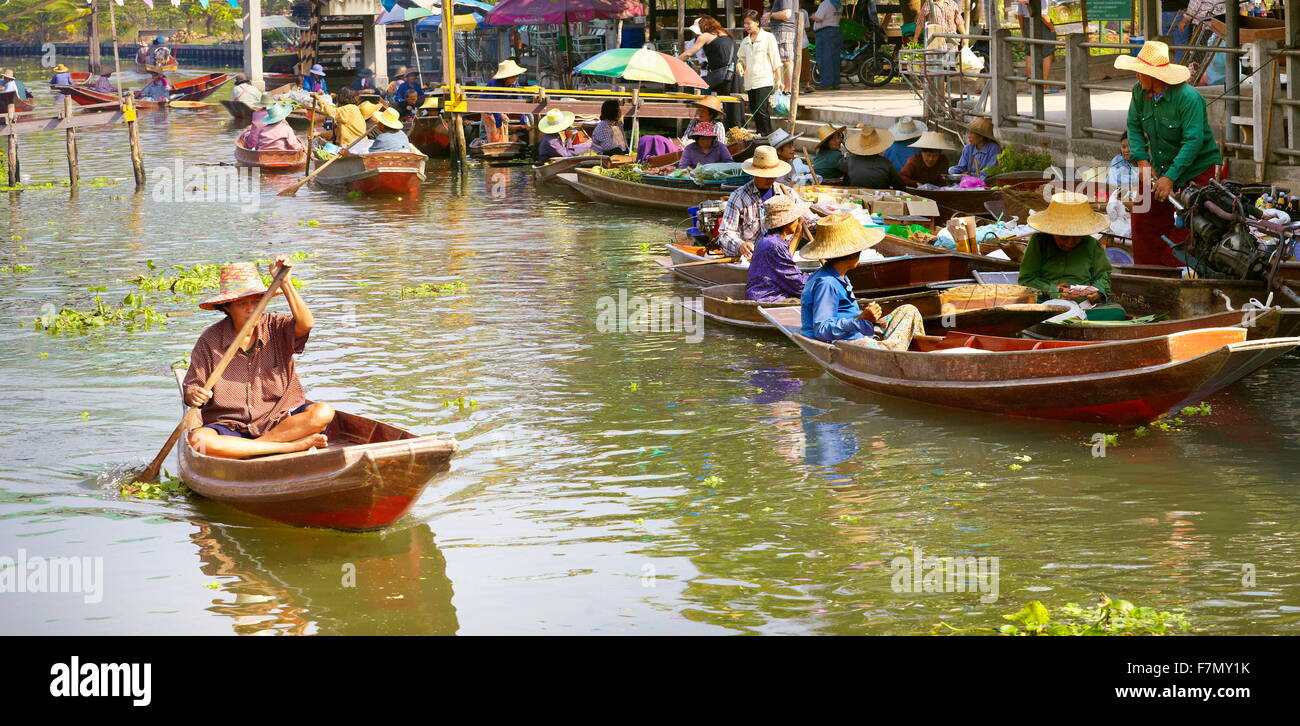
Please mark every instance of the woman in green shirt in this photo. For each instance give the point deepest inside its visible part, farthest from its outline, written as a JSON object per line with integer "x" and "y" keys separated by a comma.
{"x": 1065, "y": 261}
{"x": 826, "y": 159}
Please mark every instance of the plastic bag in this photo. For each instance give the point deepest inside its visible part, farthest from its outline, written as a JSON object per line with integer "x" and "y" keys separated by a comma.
{"x": 781, "y": 103}
{"x": 1120, "y": 221}
{"x": 970, "y": 62}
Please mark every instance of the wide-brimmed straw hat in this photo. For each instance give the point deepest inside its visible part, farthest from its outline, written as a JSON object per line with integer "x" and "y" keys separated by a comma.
{"x": 317, "y": 70}
{"x": 838, "y": 235}
{"x": 934, "y": 141}
{"x": 388, "y": 117}
{"x": 1153, "y": 60}
{"x": 704, "y": 128}
{"x": 60, "y": 68}
{"x": 238, "y": 279}
{"x": 710, "y": 102}
{"x": 555, "y": 121}
{"x": 868, "y": 140}
{"x": 507, "y": 69}
{"x": 782, "y": 209}
{"x": 368, "y": 109}
{"x": 781, "y": 137}
{"x": 982, "y": 126}
{"x": 1070, "y": 215}
{"x": 765, "y": 163}
{"x": 906, "y": 128}
{"x": 277, "y": 112}
{"x": 826, "y": 132}
{"x": 6, "y": 73}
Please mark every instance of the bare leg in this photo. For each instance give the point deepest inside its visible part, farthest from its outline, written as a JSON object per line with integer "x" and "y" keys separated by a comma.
{"x": 209, "y": 442}
{"x": 311, "y": 421}
{"x": 1047, "y": 66}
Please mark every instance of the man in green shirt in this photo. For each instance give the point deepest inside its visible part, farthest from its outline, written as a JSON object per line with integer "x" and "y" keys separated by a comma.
{"x": 1171, "y": 141}
{"x": 1065, "y": 261}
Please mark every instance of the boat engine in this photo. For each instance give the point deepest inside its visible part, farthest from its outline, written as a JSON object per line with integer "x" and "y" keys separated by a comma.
{"x": 1221, "y": 243}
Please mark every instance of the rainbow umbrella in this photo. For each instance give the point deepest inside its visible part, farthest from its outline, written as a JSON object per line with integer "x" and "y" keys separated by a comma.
{"x": 401, "y": 11}
{"x": 641, "y": 64}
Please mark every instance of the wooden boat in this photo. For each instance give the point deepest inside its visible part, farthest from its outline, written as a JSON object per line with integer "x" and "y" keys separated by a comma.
{"x": 381, "y": 173}
{"x": 723, "y": 273}
{"x": 368, "y": 477}
{"x": 242, "y": 113}
{"x": 429, "y": 134}
{"x": 269, "y": 159}
{"x": 1259, "y": 324}
{"x": 497, "y": 150}
{"x": 726, "y": 304}
{"x": 195, "y": 89}
{"x": 543, "y": 173}
{"x": 601, "y": 188}
{"x": 958, "y": 201}
{"x": 1125, "y": 383}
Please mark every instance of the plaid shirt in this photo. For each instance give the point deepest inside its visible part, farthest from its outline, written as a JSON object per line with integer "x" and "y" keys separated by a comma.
{"x": 742, "y": 218}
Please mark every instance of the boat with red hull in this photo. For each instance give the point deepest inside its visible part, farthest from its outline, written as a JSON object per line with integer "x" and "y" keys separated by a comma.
{"x": 379, "y": 173}
{"x": 270, "y": 160}
{"x": 195, "y": 89}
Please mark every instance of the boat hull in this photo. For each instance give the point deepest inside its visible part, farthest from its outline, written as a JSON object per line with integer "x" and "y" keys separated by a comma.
{"x": 378, "y": 174}
{"x": 544, "y": 173}
{"x": 1259, "y": 324}
{"x": 601, "y": 188}
{"x": 270, "y": 160}
{"x": 195, "y": 89}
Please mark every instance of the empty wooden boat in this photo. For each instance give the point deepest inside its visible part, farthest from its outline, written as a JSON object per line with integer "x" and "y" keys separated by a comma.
{"x": 366, "y": 479}
{"x": 1120, "y": 383}
{"x": 716, "y": 273}
{"x": 379, "y": 173}
{"x": 726, "y": 304}
{"x": 271, "y": 160}
{"x": 1259, "y": 324}
{"x": 496, "y": 150}
{"x": 543, "y": 173}
{"x": 195, "y": 89}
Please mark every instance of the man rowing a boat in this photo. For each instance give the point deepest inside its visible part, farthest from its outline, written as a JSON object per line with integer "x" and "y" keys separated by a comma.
{"x": 258, "y": 407}
{"x": 742, "y": 219}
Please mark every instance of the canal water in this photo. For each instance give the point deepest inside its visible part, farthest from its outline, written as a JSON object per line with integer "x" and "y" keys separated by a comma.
{"x": 609, "y": 482}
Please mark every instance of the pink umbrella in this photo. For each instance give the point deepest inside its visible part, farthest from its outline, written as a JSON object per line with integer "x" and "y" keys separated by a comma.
{"x": 556, "y": 12}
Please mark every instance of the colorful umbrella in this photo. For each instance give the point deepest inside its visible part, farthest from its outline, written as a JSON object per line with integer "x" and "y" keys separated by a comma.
{"x": 556, "y": 12}
{"x": 641, "y": 64}
{"x": 478, "y": 10}
{"x": 401, "y": 11}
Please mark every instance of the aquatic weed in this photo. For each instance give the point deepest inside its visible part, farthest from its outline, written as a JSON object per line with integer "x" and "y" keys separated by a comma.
{"x": 427, "y": 290}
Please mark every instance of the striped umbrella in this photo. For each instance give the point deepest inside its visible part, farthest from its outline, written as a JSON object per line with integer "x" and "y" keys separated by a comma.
{"x": 641, "y": 64}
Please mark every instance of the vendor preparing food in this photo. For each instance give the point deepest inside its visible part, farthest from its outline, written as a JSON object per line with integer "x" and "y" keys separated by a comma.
{"x": 1065, "y": 261}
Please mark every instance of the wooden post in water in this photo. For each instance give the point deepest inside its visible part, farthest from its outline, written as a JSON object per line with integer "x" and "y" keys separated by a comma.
{"x": 11, "y": 157}
{"x": 311, "y": 135}
{"x": 74, "y": 172}
{"x": 128, "y": 107}
{"x": 92, "y": 45}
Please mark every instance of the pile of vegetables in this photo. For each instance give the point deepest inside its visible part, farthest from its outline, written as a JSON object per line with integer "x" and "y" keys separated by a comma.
{"x": 738, "y": 133}
{"x": 717, "y": 172}
{"x": 628, "y": 172}
{"x": 1014, "y": 158}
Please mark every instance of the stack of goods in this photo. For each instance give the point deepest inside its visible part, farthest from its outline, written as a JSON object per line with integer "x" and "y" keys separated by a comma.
{"x": 737, "y": 133}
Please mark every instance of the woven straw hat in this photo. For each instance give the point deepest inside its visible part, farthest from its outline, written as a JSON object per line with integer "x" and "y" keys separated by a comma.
{"x": 60, "y": 68}
{"x": 765, "y": 163}
{"x": 825, "y": 133}
{"x": 906, "y": 128}
{"x": 1068, "y": 214}
{"x": 508, "y": 68}
{"x": 934, "y": 141}
{"x": 840, "y": 234}
{"x": 368, "y": 109}
{"x": 1153, "y": 60}
{"x": 782, "y": 209}
{"x": 238, "y": 279}
{"x": 389, "y": 117}
{"x": 555, "y": 121}
{"x": 982, "y": 126}
{"x": 266, "y": 100}
{"x": 867, "y": 141}
{"x": 710, "y": 102}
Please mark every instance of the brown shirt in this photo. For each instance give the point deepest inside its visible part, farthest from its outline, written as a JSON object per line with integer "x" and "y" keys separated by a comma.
{"x": 259, "y": 387}
{"x": 916, "y": 173}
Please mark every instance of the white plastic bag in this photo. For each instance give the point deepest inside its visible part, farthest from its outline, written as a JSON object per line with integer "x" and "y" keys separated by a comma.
{"x": 1120, "y": 221}
{"x": 971, "y": 62}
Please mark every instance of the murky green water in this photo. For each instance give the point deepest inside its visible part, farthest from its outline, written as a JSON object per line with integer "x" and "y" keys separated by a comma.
{"x": 609, "y": 483}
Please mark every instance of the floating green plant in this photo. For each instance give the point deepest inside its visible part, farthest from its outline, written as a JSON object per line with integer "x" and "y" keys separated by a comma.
{"x": 165, "y": 488}
{"x": 1107, "y": 617}
{"x": 427, "y": 290}
{"x": 133, "y": 315}
{"x": 462, "y": 403}
{"x": 17, "y": 269}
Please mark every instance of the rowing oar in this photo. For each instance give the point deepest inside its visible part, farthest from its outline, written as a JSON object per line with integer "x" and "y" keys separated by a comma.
{"x": 151, "y": 472}
{"x": 705, "y": 262}
{"x": 290, "y": 191}
{"x": 189, "y": 104}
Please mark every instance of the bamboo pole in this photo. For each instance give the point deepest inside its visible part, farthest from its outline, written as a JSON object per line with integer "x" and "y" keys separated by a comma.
{"x": 11, "y": 158}
{"x": 74, "y": 172}
{"x": 128, "y": 107}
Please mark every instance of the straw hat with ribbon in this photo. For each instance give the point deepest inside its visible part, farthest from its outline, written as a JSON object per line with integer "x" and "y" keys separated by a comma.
{"x": 825, "y": 133}
{"x": 60, "y": 68}
{"x": 782, "y": 209}
{"x": 277, "y": 112}
{"x": 1070, "y": 215}
{"x": 765, "y": 163}
{"x": 368, "y": 109}
{"x": 266, "y": 100}
{"x": 934, "y": 141}
{"x": 555, "y": 121}
{"x": 238, "y": 279}
{"x": 508, "y": 68}
{"x": 710, "y": 102}
{"x": 838, "y": 235}
{"x": 867, "y": 141}
{"x": 907, "y": 128}
{"x": 704, "y": 128}
{"x": 982, "y": 126}
{"x": 1153, "y": 60}
{"x": 388, "y": 117}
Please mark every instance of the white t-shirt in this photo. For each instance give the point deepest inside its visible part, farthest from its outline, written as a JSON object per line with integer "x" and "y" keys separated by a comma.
{"x": 10, "y": 86}
{"x": 761, "y": 60}
{"x": 829, "y": 14}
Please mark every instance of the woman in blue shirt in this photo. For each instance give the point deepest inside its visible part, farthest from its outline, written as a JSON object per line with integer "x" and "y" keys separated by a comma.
{"x": 981, "y": 150}
{"x": 830, "y": 312}
{"x": 314, "y": 81}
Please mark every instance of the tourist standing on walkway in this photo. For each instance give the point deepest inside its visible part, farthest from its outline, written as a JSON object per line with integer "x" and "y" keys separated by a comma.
{"x": 1172, "y": 144}
{"x": 720, "y": 53}
{"x": 759, "y": 62}
{"x": 1028, "y": 30}
{"x": 782, "y": 18}
{"x": 830, "y": 40}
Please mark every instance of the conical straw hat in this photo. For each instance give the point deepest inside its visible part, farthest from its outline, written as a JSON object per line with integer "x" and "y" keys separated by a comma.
{"x": 765, "y": 163}
{"x": 934, "y": 141}
{"x": 839, "y": 235}
{"x": 868, "y": 141}
{"x": 508, "y": 68}
{"x": 1069, "y": 214}
{"x": 1153, "y": 60}
{"x": 826, "y": 132}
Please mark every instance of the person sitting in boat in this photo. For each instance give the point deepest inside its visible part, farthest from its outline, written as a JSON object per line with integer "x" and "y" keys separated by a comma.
{"x": 904, "y": 131}
{"x": 142, "y": 54}
{"x": 159, "y": 52}
{"x": 773, "y": 274}
{"x": 61, "y": 77}
{"x": 349, "y": 121}
{"x": 510, "y": 74}
{"x": 365, "y": 82}
{"x": 864, "y": 165}
{"x": 158, "y": 89}
{"x": 104, "y": 83}
{"x": 980, "y": 152}
{"x": 829, "y": 311}
{"x": 607, "y": 137}
{"x": 244, "y": 91}
{"x": 742, "y": 218}
{"x": 704, "y": 149}
{"x": 274, "y": 133}
{"x": 9, "y": 91}
{"x": 409, "y": 107}
{"x": 1065, "y": 261}
{"x": 708, "y": 110}
{"x": 258, "y": 406}
{"x": 390, "y": 137}
{"x": 828, "y": 152}
{"x": 1123, "y": 173}
{"x": 786, "y": 151}
{"x": 927, "y": 165}
{"x": 410, "y": 82}
{"x": 557, "y": 136}
{"x": 314, "y": 81}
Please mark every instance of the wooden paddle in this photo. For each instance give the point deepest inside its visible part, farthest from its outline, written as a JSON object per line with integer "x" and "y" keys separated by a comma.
{"x": 151, "y": 472}
{"x": 705, "y": 262}
{"x": 292, "y": 190}
{"x": 816, "y": 181}
{"x": 190, "y": 104}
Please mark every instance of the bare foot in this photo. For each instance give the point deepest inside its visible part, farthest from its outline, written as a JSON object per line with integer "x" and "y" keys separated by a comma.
{"x": 307, "y": 442}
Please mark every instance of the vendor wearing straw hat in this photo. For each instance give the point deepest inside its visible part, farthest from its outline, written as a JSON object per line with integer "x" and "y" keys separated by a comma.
{"x": 830, "y": 311}
{"x": 390, "y": 137}
{"x": 349, "y": 119}
{"x": 706, "y": 149}
{"x": 258, "y": 406}
{"x": 509, "y": 75}
{"x": 273, "y": 133}
{"x": 709, "y": 110}
{"x": 1172, "y": 143}
{"x": 864, "y": 166}
{"x": 828, "y": 151}
{"x": 742, "y": 221}
{"x": 1065, "y": 261}
{"x": 61, "y": 77}
{"x": 980, "y": 152}
{"x": 783, "y": 142}
{"x": 927, "y": 165}
{"x": 773, "y": 274}
{"x": 557, "y": 136}
{"x": 905, "y": 131}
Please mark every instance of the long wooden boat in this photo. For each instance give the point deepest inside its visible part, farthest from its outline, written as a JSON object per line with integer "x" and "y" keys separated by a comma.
{"x": 720, "y": 273}
{"x": 242, "y": 113}
{"x": 496, "y": 150}
{"x": 601, "y": 188}
{"x": 543, "y": 173}
{"x": 270, "y": 160}
{"x": 430, "y": 135}
{"x": 195, "y": 89}
{"x": 1125, "y": 383}
{"x": 1259, "y": 324}
{"x": 380, "y": 173}
{"x": 368, "y": 477}
{"x": 958, "y": 201}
